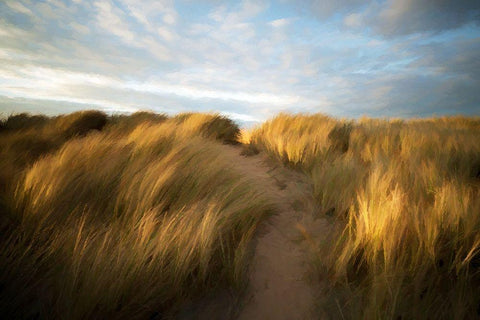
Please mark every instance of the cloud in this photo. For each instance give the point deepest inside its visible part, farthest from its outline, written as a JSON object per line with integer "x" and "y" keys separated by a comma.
{"x": 244, "y": 11}
{"x": 279, "y": 23}
{"x": 60, "y": 85}
{"x": 18, "y": 7}
{"x": 324, "y": 9}
{"x": 401, "y": 17}
{"x": 166, "y": 34}
{"x": 80, "y": 28}
{"x": 397, "y": 17}
{"x": 248, "y": 59}
{"x": 112, "y": 20}
{"x": 151, "y": 12}
{"x": 353, "y": 20}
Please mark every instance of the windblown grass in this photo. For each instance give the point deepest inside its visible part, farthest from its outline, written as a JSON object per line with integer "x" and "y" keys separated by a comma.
{"x": 25, "y": 138}
{"x": 124, "y": 124}
{"x": 408, "y": 196}
{"x": 128, "y": 223}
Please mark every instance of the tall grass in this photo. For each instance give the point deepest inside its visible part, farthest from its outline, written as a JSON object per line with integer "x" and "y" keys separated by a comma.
{"x": 25, "y": 138}
{"x": 130, "y": 222}
{"x": 408, "y": 196}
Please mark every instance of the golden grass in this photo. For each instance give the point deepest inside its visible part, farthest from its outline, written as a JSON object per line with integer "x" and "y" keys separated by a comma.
{"x": 128, "y": 223}
{"x": 25, "y": 138}
{"x": 245, "y": 136}
{"x": 131, "y": 216}
{"x": 407, "y": 194}
{"x": 123, "y": 124}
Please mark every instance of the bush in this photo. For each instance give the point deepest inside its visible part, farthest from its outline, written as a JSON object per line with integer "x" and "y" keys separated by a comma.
{"x": 212, "y": 126}
{"x": 23, "y": 121}
{"x": 124, "y": 124}
{"x": 339, "y": 137}
{"x": 80, "y": 123}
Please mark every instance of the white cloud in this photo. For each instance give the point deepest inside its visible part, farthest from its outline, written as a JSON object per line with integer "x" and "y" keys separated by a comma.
{"x": 56, "y": 83}
{"x": 109, "y": 18}
{"x": 170, "y": 18}
{"x": 17, "y": 6}
{"x": 278, "y": 23}
{"x": 241, "y": 117}
{"x": 246, "y": 10}
{"x": 353, "y": 20}
{"x": 165, "y": 33}
{"x": 150, "y": 12}
{"x": 250, "y": 9}
{"x": 155, "y": 48}
{"x": 114, "y": 20}
{"x": 200, "y": 29}
{"x": 13, "y": 32}
{"x": 218, "y": 14}
{"x": 80, "y": 28}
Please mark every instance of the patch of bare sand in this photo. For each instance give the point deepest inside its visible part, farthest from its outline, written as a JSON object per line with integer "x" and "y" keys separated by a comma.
{"x": 278, "y": 287}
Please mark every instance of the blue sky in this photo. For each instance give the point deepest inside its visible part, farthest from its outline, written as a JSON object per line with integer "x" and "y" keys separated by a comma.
{"x": 246, "y": 59}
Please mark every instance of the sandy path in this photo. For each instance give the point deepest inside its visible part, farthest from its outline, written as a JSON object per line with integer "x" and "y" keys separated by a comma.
{"x": 278, "y": 288}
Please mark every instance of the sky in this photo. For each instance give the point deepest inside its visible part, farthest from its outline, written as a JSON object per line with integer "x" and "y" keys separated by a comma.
{"x": 248, "y": 60}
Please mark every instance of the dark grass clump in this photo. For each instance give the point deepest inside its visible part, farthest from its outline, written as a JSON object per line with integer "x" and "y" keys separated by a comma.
{"x": 23, "y": 121}
{"x": 212, "y": 126}
{"x": 222, "y": 128}
{"x": 124, "y": 124}
{"x": 339, "y": 137}
{"x": 80, "y": 123}
{"x": 26, "y": 138}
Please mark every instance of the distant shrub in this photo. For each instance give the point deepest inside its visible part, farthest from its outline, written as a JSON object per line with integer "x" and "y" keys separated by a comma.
{"x": 339, "y": 137}
{"x": 123, "y": 124}
{"x": 23, "y": 121}
{"x": 181, "y": 117}
{"x": 212, "y": 126}
{"x": 222, "y": 128}
{"x": 80, "y": 123}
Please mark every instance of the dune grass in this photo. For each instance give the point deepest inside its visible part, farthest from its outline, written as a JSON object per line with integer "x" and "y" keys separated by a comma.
{"x": 129, "y": 222}
{"x": 407, "y": 197}
{"x": 132, "y": 216}
{"x": 25, "y": 138}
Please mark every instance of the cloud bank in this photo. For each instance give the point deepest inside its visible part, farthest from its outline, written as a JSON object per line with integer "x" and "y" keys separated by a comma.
{"x": 248, "y": 59}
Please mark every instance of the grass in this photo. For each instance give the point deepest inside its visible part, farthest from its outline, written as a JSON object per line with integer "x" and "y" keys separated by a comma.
{"x": 25, "y": 138}
{"x": 130, "y": 217}
{"x": 406, "y": 195}
{"x": 135, "y": 216}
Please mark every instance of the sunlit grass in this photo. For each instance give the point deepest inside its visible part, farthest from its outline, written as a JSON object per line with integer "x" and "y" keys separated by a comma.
{"x": 132, "y": 216}
{"x": 407, "y": 195}
{"x": 129, "y": 222}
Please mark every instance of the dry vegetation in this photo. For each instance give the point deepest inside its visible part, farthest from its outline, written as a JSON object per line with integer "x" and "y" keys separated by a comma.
{"x": 406, "y": 195}
{"x": 132, "y": 216}
{"x": 120, "y": 217}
